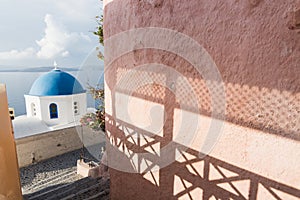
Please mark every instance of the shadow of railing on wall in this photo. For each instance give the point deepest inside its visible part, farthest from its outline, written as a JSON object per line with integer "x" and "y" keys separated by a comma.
{"x": 265, "y": 107}
{"x": 190, "y": 176}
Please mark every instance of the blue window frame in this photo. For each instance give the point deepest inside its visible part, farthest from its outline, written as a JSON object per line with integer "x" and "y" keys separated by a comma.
{"x": 53, "y": 111}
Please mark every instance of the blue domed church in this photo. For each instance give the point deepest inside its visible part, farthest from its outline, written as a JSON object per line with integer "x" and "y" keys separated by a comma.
{"x": 56, "y": 98}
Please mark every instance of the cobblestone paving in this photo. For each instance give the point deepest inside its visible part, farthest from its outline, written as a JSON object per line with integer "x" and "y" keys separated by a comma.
{"x": 57, "y": 176}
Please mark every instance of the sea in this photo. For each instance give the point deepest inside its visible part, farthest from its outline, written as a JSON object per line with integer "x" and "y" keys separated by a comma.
{"x": 18, "y": 82}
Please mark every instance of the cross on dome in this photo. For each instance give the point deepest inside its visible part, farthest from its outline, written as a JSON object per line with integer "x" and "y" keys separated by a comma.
{"x": 55, "y": 65}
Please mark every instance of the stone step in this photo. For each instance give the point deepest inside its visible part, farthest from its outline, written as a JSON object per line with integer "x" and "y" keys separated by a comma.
{"x": 47, "y": 192}
{"x": 86, "y": 183}
{"x": 73, "y": 192}
{"x": 53, "y": 180}
{"x": 104, "y": 195}
{"x": 99, "y": 190}
{"x": 85, "y": 188}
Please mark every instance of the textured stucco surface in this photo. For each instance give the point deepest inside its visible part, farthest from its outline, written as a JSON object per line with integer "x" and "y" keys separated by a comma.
{"x": 257, "y": 56}
{"x": 54, "y": 143}
{"x": 10, "y": 187}
{"x": 47, "y": 145}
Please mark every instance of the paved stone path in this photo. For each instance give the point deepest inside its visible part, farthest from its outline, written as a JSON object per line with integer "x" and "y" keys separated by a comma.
{"x": 56, "y": 178}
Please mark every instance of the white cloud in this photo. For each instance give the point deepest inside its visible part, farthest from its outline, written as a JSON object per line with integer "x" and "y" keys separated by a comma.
{"x": 16, "y": 54}
{"x": 56, "y": 42}
{"x": 86, "y": 37}
{"x": 80, "y": 10}
{"x": 57, "y": 39}
{"x": 65, "y": 54}
{"x": 64, "y": 34}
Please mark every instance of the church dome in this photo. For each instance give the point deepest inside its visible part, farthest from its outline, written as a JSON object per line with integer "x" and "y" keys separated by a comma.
{"x": 56, "y": 82}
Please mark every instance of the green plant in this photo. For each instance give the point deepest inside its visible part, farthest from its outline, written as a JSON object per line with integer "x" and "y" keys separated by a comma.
{"x": 96, "y": 121}
{"x": 99, "y": 29}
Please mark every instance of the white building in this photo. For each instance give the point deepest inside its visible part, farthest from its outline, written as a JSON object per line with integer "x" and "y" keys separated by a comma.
{"x": 56, "y": 100}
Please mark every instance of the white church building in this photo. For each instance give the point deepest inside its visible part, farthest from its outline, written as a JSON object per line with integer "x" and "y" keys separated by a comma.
{"x": 56, "y": 100}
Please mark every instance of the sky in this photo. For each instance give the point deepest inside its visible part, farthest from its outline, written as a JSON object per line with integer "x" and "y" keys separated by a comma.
{"x": 35, "y": 33}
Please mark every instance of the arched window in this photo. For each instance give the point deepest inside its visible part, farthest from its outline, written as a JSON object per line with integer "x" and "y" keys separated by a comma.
{"x": 53, "y": 111}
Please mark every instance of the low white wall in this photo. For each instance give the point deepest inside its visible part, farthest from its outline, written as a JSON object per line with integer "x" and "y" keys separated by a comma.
{"x": 47, "y": 145}
{"x": 50, "y": 144}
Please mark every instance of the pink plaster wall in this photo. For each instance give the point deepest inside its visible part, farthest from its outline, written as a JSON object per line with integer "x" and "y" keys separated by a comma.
{"x": 258, "y": 58}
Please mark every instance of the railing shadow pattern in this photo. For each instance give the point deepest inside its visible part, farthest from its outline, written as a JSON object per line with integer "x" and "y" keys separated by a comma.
{"x": 260, "y": 107}
{"x": 189, "y": 177}
{"x": 274, "y": 111}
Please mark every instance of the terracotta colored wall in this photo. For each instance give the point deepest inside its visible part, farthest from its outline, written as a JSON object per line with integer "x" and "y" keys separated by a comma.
{"x": 258, "y": 58}
{"x": 10, "y": 186}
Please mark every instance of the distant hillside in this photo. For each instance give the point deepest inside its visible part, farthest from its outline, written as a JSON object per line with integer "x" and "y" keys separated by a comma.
{"x": 47, "y": 69}
{"x": 35, "y": 69}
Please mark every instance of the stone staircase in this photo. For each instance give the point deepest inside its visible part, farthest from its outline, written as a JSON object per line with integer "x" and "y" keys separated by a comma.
{"x": 62, "y": 178}
{"x": 82, "y": 189}
{"x": 56, "y": 178}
